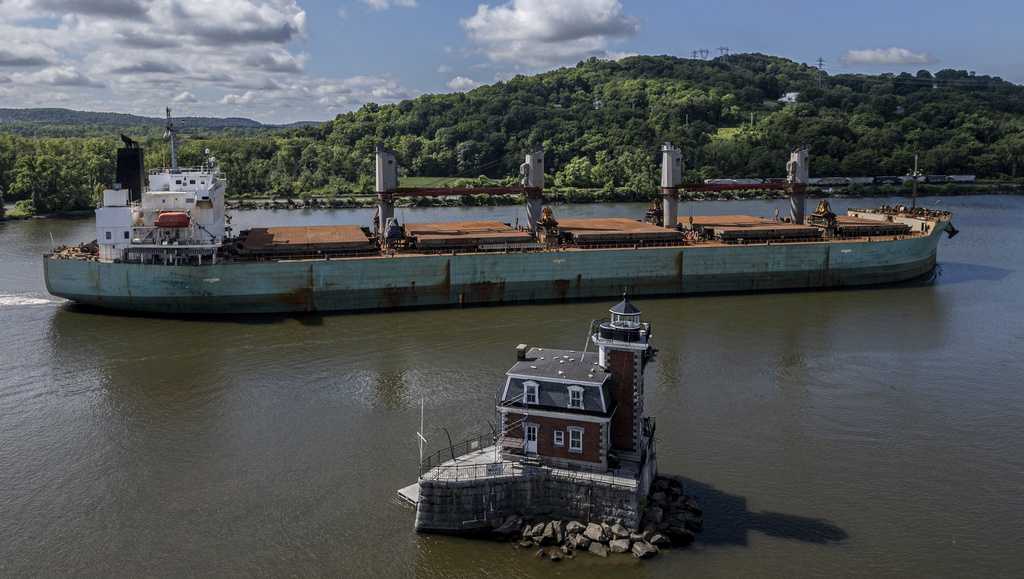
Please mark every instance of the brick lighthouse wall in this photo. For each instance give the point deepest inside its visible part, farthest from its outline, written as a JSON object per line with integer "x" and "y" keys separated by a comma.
{"x": 622, "y": 365}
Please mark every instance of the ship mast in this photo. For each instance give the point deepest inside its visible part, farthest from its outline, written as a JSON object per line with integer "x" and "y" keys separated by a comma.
{"x": 171, "y": 134}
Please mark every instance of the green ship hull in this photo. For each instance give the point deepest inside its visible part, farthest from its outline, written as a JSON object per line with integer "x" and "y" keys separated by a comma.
{"x": 434, "y": 280}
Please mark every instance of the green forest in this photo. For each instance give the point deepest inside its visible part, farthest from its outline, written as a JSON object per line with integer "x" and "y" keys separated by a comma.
{"x": 600, "y": 123}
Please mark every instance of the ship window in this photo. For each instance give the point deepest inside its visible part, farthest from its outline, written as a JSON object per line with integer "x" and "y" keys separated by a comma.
{"x": 575, "y": 439}
{"x": 177, "y": 181}
{"x": 530, "y": 392}
{"x": 575, "y": 397}
{"x": 191, "y": 181}
{"x": 108, "y": 235}
{"x": 559, "y": 438}
{"x": 126, "y": 235}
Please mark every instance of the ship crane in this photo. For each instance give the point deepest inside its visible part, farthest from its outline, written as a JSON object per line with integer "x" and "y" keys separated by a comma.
{"x": 531, "y": 187}
{"x": 798, "y": 169}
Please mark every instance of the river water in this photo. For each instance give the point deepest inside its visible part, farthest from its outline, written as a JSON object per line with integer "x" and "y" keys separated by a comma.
{"x": 860, "y": 432}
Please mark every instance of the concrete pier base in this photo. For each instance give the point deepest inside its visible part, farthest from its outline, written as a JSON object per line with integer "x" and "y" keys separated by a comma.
{"x": 476, "y": 492}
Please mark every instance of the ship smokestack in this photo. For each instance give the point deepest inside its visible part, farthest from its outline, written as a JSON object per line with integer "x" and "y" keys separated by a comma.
{"x": 798, "y": 171}
{"x": 671, "y": 178}
{"x": 130, "y": 170}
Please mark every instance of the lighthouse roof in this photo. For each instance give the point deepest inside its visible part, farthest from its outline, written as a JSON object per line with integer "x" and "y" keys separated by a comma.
{"x": 625, "y": 307}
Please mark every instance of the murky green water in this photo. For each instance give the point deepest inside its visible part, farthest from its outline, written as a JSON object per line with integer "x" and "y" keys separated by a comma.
{"x": 865, "y": 433}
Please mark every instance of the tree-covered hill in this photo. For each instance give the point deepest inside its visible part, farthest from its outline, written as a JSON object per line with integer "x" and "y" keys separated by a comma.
{"x": 600, "y": 122}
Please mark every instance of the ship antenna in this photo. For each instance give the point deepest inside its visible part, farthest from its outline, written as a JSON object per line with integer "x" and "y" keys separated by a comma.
{"x": 170, "y": 133}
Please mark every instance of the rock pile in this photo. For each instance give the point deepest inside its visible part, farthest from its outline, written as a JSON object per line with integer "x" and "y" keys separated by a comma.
{"x": 671, "y": 519}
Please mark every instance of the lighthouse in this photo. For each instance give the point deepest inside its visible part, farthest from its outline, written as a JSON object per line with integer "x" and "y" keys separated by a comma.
{"x": 623, "y": 346}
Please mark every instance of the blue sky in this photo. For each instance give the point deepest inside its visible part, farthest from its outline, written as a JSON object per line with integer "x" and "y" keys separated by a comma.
{"x": 286, "y": 60}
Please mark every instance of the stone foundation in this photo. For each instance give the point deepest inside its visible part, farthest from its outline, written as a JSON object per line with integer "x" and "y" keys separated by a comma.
{"x": 536, "y": 492}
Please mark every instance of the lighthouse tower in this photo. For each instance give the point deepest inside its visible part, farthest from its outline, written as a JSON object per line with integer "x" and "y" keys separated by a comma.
{"x": 623, "y": 350}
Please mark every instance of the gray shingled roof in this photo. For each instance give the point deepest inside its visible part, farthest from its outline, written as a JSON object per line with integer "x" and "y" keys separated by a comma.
{"x": 624, "y": 307}
{"x": 569, "y": 365}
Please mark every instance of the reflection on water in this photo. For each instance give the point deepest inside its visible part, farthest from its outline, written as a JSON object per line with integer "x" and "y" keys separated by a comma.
{"x": 824, "y": 432}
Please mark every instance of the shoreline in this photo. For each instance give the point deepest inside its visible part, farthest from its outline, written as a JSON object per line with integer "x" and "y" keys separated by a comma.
{"x": 569, "y": 197}
{"x": 555, "y": 197}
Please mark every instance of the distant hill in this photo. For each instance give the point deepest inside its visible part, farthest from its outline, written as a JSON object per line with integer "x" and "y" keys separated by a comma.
{"x": 68, "y": 122}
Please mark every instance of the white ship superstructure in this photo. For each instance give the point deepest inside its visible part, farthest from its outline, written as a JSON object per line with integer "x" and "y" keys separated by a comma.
{"x": 178, "y": 219}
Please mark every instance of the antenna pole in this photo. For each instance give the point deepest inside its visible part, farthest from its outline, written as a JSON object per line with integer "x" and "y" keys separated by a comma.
{"x": 170, "y": 134}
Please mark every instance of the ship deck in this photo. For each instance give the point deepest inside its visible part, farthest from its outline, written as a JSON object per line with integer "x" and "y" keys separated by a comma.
{"x": 464, "y": 233}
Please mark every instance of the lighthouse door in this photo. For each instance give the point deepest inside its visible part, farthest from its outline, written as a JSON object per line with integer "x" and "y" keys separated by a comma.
{"x": 531, "y": 439}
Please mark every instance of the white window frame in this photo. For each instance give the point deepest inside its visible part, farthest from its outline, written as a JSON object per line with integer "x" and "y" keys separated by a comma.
{"x": 531, "y": 388}
{"x": 575, "y": 390}
{"x": 559, "y": 439}
{"x": 572, "y": 446}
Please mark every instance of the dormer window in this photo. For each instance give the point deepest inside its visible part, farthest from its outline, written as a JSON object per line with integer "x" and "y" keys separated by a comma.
{"x": 576, "y": 397}
{"x": 530, "y": 392}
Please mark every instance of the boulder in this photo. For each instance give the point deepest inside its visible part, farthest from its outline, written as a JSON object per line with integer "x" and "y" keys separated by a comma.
{"x": 550, "y": 534}
{"x": 637, "y": 536}
{"x": 659, "y": 540}
{"x": 525, "y": 543}
{"x": 680, "y": 536}
{"x": 559, "y": 530}
{"x": 655, "y": 514}
{"x": 555, "y": 555}
{"x": 644, "y": 550}
{"x": 598, "y": 549}
{"x": 691, "y": 506}
{"x": 659, "y": 498}
{"x": 619, "y": 532}
{"x": 594, "y": 532}
{"x": 537, "y": 530}
{"x": 540, "y": 554}
{"x": 574, "y": 527}
{"x": 694, "y": 523}
{"x": 619, "y": 545}
{"x": 661, "y": 484}
{"x": 508, "y": 529}
{"x": 580, "y": 542}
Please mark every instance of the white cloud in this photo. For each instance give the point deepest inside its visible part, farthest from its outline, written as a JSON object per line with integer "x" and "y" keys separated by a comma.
{"x": 537, "y": 33}
{"x": 58, "y": 76}
{"x": 247, "y": 51}
{"x": 385, "y": 4}
{"x": 185, "y": 97}
{"x": 461, "y": 83}
{"x": 886, "y": 56}
{"x": 239, "y": 99}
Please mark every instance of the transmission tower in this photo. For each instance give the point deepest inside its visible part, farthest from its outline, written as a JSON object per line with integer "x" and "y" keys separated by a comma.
{"x": 821, "y": 71}
{"x": 704, "y": 52}
{"x": 723, "y": 50}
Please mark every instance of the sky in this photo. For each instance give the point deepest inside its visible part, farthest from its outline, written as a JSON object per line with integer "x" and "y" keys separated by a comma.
{"x": 282, "y": 61}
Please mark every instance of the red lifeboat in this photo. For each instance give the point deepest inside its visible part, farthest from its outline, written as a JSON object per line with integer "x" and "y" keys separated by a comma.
{"x": 172, "y": 219}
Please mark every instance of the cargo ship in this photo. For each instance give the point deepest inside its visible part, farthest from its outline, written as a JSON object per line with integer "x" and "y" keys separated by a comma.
{"x": 168, "y": 248}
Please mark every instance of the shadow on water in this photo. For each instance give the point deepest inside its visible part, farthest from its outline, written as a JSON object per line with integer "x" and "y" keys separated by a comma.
{"x": 729, "y": 521}
{"x": 959, "y": 272}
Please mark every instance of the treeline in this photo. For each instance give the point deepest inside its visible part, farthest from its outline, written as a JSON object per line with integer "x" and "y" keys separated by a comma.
{"x": 601, "y": 124}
